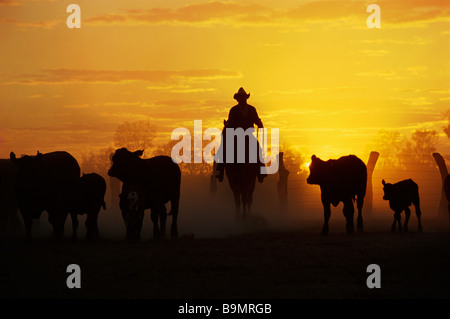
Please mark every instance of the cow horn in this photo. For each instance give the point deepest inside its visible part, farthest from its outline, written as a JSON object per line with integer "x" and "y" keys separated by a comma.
{"x": 383, "y": 182}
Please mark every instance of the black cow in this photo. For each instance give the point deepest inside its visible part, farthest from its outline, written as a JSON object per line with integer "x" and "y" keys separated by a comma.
{"x": 46, "y": 182}
{"x": 400, "y": 196}
{"x": 89, "y": 199}
{"x": 9, "y": 209}
{"x": 158, "y": 182}
{"x": 340, "y": 180}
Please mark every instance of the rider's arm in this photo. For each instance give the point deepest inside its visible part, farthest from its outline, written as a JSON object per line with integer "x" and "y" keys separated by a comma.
{"x": 257, "y": 120}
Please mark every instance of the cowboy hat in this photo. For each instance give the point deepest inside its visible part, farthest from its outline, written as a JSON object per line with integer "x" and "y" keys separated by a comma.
{"x": 241, "y": 94}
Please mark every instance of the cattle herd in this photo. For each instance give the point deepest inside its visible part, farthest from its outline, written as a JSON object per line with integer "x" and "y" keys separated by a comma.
{"x": 53, "y": 182}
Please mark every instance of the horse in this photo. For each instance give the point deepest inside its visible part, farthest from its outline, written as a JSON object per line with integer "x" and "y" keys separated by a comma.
{"x": 241, "y": 175}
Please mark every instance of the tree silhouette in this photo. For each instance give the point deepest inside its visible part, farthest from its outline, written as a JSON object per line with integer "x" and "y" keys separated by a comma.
{"x": 446, "y": 129}
{"x": 397, "y": 150}
{"x": 390, "y": 145}
{"x": 192, "y": 168}
{"x": 420, "y": 148}
{"x": 137, "y": 135}
{"x": 97, "y": 162}
{"x": 294, "y": 160}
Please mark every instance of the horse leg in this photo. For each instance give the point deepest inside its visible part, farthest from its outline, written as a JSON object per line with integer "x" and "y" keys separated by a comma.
{"x": 249, "y": 202}
{"x": 237, "y": 203}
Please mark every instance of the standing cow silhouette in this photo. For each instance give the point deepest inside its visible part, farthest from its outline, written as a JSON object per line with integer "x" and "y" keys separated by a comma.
{"x": 400, "y": 196}
{"x": 158, "y": 181}
{"x": 342, "y": 180}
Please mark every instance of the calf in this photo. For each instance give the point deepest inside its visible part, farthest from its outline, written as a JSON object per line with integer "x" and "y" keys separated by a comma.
{"x": 132, "y": 207}
{"x": 400, "y": 196}
{"x": 89, "y": 199}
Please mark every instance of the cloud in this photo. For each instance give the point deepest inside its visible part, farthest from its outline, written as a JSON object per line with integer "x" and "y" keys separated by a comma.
{"x": 65, "y": 75}
{"x": 21, "y": 2}
{"x": 204, "y": 13}
{"x": 235, "y": 14}
{"x": 37, "y": 24}
{"x": 374, "y": 53}
{"x": 417, "y": 70}
{"x": 9, "y": 3}
{"x": 388, "y": 74}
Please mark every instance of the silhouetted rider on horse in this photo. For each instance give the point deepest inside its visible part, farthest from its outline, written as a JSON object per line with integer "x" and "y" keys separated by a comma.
{"x": 244, "y": 116}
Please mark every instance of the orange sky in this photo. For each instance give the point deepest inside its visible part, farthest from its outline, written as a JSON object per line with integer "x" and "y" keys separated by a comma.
{"x": 313, "y": 69}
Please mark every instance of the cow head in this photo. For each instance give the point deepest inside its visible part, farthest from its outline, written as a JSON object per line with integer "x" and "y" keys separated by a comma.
{"x": 317, "y": 171}
{"x": 124, "y": 164}
{"x": 132, "y": 207}
{"x": 26, "y": 162}
{"x": 387, "y": 189}
{"x": 28, "y": 184}
{"x": 28, "y": 167}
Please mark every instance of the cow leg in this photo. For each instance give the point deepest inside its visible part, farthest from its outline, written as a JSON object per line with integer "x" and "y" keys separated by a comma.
{"x": 398, "y": 221}
{"x": 419, "y": 214}
{"x": 53, "y": 220}
{"x": 174, "y": 227}
{"x": 15, "y": 222}
{"x": 174, "y": 203}
{"x": 326, "y": 215}
{"x": 407, "y": 215}
{"x": 154, "y": 215}
{"x": 396, "y": 218}
{"x": 27, "y": 222}
{"x": 91, "y": 226}
{"x": 349, "y": 211}
{"x": 162, "y": 220}
{"x": 75, "y": 224}
{"x": 359, "y": 205}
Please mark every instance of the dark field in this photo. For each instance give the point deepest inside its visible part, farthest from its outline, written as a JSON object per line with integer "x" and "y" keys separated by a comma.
{"x": 270, "y": 256}
{"x": 294, "y": 264}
